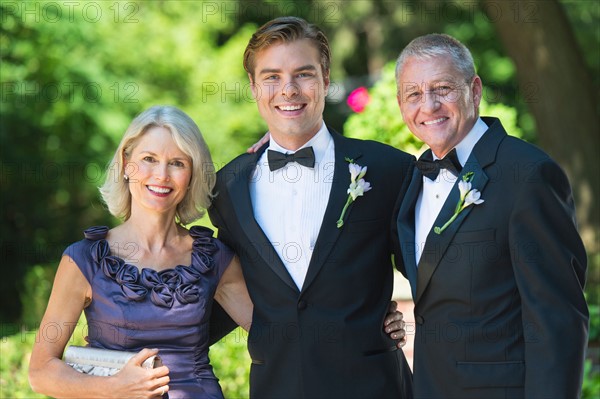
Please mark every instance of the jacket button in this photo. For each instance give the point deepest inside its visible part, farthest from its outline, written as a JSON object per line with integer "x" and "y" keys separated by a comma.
{"x": 302, "y": 305}
{"x": 419, "y": 319}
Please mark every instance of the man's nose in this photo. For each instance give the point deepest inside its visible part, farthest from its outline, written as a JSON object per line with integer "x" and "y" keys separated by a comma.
{"x": 290, "y": 89}
{"x": 431, "y": 101}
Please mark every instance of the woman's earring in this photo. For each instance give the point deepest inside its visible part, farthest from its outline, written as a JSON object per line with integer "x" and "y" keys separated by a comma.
{"x": 126, "y": 177}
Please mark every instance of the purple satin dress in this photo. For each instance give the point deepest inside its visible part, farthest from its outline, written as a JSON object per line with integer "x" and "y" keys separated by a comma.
{"x": 168, "y": 310}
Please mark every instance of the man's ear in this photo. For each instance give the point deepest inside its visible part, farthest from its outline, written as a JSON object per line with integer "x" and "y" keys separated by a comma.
{"x": 253, "y": 87}
{"x": 477, "y": 91}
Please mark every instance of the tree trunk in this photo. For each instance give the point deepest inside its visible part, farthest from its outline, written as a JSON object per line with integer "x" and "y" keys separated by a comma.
{"x": 556, "y": 84}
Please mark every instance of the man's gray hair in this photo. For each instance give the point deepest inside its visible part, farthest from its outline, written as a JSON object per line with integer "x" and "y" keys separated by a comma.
{"x": 435, "y": 45}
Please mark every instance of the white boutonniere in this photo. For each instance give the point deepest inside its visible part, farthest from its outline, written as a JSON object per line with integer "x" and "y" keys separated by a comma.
{"x": 358, "y": 186}
{"x": 468, "y": 197}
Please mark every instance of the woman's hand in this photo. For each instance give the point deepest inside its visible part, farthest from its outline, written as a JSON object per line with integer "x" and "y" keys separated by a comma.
{"x": 51, "y": 376}
{"x": 394, "y": 325}
{"x": 135, "y": 381}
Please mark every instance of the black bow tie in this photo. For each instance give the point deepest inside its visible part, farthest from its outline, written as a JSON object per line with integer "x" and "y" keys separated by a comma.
{"x": 278, "y": 160}
{"x": 431, "y": 169}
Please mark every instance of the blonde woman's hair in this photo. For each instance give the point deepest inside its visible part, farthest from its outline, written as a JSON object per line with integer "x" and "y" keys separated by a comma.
{"x": 187, "y": 136}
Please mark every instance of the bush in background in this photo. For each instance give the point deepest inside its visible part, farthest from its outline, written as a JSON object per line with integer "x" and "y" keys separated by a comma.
{"x": 229, "y": 358}
{"x": 231, "y": 364}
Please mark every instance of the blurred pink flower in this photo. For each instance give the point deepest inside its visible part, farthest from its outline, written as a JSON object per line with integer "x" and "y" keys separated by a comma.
{"x": 358, "y": 99}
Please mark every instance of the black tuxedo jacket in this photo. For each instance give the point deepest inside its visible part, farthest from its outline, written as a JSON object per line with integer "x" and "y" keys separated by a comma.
{"x": 499, "y": 304}
{"x": 325, "y": 340}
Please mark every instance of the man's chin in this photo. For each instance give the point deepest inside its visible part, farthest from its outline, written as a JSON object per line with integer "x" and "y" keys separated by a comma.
{"x": 292, "y": 130}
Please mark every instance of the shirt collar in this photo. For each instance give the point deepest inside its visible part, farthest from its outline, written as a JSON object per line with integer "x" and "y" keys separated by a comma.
{"x": 464, "y": 148}
{"x": 319, "y": 142}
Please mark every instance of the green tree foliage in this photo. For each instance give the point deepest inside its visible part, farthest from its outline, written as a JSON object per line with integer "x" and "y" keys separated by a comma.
{"x": 73, "y": 76}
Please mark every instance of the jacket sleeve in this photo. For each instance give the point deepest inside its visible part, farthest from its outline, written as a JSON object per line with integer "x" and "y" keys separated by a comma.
{"x": 220, "y": 323}
{"x": 549, "y": 263}
{"x": 395, "y": 239}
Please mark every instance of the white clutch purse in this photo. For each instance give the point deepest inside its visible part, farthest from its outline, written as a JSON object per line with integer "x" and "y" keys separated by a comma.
{"x": 102, "y": 362}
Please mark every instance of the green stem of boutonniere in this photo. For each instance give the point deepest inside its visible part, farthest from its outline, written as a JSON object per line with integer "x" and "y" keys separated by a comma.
{"x": 456, "y": 210}
{"x": 438, "y": 230}
{"x": 340, "y": 221}
{"x": 468, "y": 197}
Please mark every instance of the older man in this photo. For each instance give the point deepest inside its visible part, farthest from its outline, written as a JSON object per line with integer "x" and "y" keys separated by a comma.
{"x": 489, "y": 242}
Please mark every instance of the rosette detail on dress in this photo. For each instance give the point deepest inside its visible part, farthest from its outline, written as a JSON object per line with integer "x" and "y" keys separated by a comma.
{"x": 203, "y": 248}
{"x": 164, "y": 287}
{"x": 128, "y": 277}
{"x": 96, "y": 233}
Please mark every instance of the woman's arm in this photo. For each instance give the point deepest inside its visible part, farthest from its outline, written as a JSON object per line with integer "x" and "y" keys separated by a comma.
{"x": 233, "y": 296}
{"x": 49, "y": 375}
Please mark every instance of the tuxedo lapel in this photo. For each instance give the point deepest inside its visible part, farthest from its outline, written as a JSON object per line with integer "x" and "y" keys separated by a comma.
{"x": 239, "y": 189}
{"x": 437, "y": 244}
{"x": 483, "y": 154}
{"x": 329, "y": 233}
{"x": 406, "y": 228}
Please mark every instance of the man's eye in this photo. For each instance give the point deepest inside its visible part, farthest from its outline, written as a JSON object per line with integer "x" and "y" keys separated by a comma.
{"x": 413, "y": 96}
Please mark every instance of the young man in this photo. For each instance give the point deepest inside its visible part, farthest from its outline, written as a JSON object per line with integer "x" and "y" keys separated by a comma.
{"x": 319, "y": 272}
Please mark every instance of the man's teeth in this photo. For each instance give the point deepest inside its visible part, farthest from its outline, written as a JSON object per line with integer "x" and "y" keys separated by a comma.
{"x": 159, "y": 190}
{"x": 434, "y": 121}
{"x": 290, "y": 107}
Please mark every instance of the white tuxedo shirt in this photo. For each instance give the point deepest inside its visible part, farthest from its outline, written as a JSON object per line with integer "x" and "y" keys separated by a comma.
{"x": 289, "y": 203}
{"x": 435, "y": 192}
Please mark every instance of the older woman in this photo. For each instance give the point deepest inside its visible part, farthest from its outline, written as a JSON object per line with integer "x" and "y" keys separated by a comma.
{"x": 149, "y": 282}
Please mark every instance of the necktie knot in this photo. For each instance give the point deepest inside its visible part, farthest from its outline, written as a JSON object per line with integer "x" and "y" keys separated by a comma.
{"x": 430, "y": 168}
{"x": 304, "y": 156}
